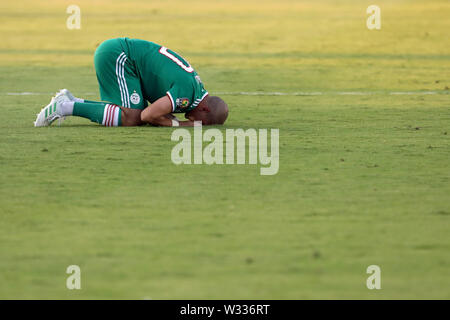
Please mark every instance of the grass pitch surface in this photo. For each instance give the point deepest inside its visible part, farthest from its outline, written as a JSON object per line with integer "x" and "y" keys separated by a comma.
{"x": 364, "y": 164}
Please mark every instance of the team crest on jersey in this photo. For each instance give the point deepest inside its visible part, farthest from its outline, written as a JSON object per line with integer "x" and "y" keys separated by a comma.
{"x": 182, "y": 102}
{"x": 135, "y": 98}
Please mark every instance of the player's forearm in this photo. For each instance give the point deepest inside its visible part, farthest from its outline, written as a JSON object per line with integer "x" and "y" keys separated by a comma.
{"x": 158, "y": 114}
{"x": 165, "y": 122}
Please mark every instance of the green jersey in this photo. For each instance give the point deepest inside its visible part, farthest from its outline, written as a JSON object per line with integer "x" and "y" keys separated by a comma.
{"x": 131, "y": 72}
{"x": 162, "y": 71}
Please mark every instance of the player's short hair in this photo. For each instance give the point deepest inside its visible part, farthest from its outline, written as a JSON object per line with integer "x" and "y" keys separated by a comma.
{"x": 218, "y": 110}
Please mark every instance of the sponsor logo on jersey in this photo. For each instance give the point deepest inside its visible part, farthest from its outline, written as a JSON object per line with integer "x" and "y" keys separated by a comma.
{"x": 182, "y": 102}
{"x": 135, "y": 98}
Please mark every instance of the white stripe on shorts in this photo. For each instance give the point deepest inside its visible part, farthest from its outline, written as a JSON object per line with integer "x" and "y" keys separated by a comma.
{"x": 117, "y": 75}
{"x": 120, "y": 63}
{"x": 127, "y": 95}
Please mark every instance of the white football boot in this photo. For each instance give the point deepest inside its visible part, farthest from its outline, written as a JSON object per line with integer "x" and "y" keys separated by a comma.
{"x": 53, "y": 110}
{"x": 68, "y": 94}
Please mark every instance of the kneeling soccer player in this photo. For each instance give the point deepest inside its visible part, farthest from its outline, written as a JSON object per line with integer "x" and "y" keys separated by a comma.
{"x": 131, "y": 72}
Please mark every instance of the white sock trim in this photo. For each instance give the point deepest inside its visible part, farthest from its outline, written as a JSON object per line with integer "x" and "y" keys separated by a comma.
{"x": 111, "y": 115}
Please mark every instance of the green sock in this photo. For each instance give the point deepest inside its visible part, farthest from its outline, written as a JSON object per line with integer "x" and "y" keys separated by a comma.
{"x": 90, "y": 101}
{"x": 103, "y": 113}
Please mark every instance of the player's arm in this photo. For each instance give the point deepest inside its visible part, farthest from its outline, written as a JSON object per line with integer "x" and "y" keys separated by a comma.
{"x": 158, "y": 113}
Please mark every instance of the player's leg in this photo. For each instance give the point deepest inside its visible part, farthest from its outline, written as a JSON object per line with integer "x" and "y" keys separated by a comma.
{"x": 107, "y": 114}
{"x": 85, "y": 108}
{"x": 118, "y": 83}
{"x": 117, "y": 76}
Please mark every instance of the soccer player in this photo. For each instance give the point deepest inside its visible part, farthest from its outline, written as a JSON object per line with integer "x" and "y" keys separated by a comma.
{"x": 131, "y": 72}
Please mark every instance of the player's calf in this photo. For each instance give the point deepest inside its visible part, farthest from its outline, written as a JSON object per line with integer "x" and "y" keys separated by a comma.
{"x": 131, "y": 117}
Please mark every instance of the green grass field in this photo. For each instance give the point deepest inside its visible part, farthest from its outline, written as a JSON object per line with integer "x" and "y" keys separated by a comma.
{"x": 364, "y": 172}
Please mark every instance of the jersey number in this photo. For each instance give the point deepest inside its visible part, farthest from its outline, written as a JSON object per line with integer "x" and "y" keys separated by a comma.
{"x": 164, "y": 51}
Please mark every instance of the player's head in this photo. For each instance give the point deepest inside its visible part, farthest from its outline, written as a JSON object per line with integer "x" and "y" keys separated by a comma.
{"x": 212, "y": 110}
